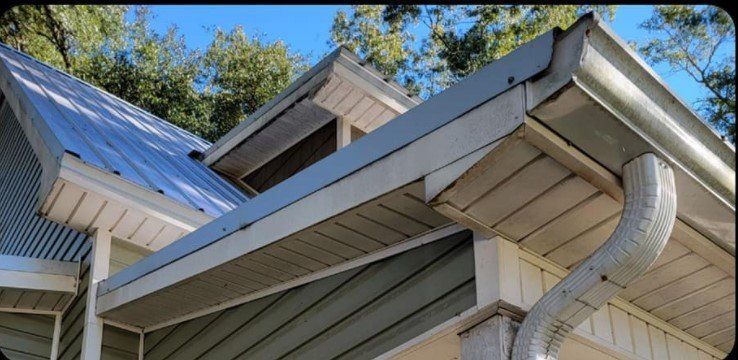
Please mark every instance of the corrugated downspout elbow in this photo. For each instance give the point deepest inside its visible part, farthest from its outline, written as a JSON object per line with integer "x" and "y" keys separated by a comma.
{"x": 640, "y": 236}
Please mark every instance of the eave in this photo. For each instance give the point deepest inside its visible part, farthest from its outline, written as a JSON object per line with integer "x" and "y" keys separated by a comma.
{"x": 601, "y": 97}
{"x": 36, "y": 285}
{"x": 340, "y": 85}
{"x": 382, "y": 162}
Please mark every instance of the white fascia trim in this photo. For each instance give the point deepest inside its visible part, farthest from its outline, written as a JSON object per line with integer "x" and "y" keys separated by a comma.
{"x": 647, "y": 221}
{"x": 23, "y": 280}
{"x": 131, "y": 195}
{"x": 30, "y": 311}
{"x": 39, "y": 266}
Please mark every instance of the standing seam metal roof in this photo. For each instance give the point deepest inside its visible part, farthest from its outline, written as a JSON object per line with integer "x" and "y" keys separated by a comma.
{"x": 120, "y": 138}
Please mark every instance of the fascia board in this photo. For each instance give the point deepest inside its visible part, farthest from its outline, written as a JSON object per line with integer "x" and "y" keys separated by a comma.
{"x": 34, "y": 265}
{"x": 22, "y": 280}
{"x": 131, "y": 195}
{"x": 268, "y": 111}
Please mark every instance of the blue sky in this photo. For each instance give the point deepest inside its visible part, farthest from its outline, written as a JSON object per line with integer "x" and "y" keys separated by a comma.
{"x": 306, "y": 29}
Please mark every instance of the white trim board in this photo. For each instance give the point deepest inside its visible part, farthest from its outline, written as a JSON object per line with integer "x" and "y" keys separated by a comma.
{"x": 23, "y": 273}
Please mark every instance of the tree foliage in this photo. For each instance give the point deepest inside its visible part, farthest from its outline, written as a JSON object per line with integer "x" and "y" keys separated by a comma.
{"x": 689, "y": 39}
{"x": 206, "y": 94}
{"x": 454, "y": 40}
{"x": 244, "y": 73}
{"x": 61, "y": 35}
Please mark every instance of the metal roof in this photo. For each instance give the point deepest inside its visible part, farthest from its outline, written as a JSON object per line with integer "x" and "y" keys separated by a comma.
{"x": 120, "y": 138}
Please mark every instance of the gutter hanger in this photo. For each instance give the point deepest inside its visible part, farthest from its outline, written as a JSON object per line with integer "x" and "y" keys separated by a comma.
{"x": 640, "y": 236}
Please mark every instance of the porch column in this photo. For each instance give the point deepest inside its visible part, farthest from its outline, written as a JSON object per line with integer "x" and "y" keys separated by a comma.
{"x": 99, "y": 267}
{"x": 497, "y": 273}
{"x": 343, "y": 132}
{"x": 491, "y": 339}
{"x": 497, "y": 270}
{"x": 56, "y": 337}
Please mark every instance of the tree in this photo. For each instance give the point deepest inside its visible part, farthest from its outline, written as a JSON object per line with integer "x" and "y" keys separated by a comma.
{"x": 155, "y": 72}
{"x": 690, "y": 39}
{"x": 455, "y": 40}
{"x": 244, "y": 73}
{"x": 61, "y": 35}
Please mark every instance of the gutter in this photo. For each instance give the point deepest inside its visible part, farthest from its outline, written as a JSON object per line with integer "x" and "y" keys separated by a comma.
{"x": 642, "y": 233}
{"x": 600, "y": 96}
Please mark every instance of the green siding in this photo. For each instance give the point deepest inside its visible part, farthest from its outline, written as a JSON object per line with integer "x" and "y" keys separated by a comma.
{"x": 26, "y": 336}
{"x": 357, "y": 314}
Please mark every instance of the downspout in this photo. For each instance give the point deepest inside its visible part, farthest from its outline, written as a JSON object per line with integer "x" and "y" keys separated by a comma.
{"x": 640, "y": 236}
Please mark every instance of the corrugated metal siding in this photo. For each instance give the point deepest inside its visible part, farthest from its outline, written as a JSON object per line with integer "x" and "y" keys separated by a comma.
{"x": 25, "y": 336}
{"x": 117, "y": 343}
{"x": 22, "y": 232}
{"x": 357, "y": 314}
{"x": 120, "y": 138}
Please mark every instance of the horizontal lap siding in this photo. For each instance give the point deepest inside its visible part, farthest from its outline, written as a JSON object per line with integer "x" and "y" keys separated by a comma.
{"x": 357, "y": 314}
{"x": 22, "y": 231}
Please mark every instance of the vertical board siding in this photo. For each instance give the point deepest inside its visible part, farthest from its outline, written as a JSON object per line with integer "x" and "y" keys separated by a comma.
{"x": 25, "y": 336}
{"x": 358, "y": 314}
{"x": 611, "y": 326}
{"x": 308, "y": 151}
{"x": 22, "y": 231}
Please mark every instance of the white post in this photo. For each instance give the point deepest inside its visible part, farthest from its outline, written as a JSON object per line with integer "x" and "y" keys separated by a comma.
{"x": 497, "y": 273}
{"x": 99, "y": 268}
{"x": 497, "y": 270}
{"x": 343, "y": 132}
{"x": 141, "y": 337}
{"x": 56, "y": 337}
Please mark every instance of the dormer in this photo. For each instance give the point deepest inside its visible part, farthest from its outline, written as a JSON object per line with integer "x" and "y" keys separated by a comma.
{"x": 334, "y": 103}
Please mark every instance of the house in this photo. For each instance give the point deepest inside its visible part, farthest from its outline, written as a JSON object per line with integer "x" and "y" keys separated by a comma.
{"x": 561, "y": 202}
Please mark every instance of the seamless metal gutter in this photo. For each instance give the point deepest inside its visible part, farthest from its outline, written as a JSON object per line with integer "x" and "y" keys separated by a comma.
{"x": 521, "y": 65}
{"x": 602, "y": 98}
